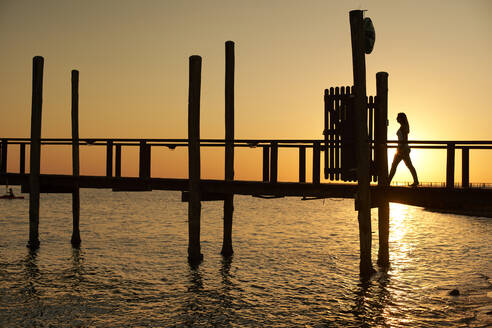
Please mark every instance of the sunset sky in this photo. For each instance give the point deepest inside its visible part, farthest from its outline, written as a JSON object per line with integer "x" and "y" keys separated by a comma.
{"x": 133, "y": 63}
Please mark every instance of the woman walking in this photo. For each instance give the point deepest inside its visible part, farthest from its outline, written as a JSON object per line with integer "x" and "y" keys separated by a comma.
{"x": 403, "y": 150}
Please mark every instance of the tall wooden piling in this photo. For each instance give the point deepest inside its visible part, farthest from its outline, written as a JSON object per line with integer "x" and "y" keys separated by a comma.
{"x": 381, "y": 157}
{"x": 35, "y": 151}
{"x": 75, "y": 159}
{"x": 229, "y": 146}
{"x": 22, "y": 158}
{"x": 360, "y": 107}
{"x": 194, "y": 204}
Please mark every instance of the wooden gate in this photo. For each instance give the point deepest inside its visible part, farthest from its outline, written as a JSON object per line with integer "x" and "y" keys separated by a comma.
{"x": 340, "y": 134}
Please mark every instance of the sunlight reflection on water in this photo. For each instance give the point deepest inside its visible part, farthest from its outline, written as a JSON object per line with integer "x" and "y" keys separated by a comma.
{"x": 295, "y": 264}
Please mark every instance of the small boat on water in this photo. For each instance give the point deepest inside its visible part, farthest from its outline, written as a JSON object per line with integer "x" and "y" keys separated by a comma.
{"x": 11, "y": 197}
{"x": 10, "y": 194}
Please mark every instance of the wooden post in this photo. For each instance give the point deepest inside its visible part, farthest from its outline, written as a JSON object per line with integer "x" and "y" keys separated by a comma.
{"x": 450, "y": 166}
{"x": 266, "y": 163}
{"x": 229, "y": 146}
{"x": 194, "y": 204}
{"x": 3, "y": 164}
{"x": 381, "y": 156}
{"x": 75, "y": 159}
{"x": 35, "y": 151}
{"x": 144, "y": 160}
{"x": 22, "y": 159}
{"x": 465, "y": 167}
{"x": 302, "y": 163}
{"x": 360, "y": 108}
{"x": 117, "y": 164}
{"x": 316, "y": 162}
{"x": 109, "y": 158}
{"x": 274, "y": 161}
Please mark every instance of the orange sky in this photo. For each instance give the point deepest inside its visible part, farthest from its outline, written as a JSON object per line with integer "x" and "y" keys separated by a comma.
{"x": 133, "y": 57}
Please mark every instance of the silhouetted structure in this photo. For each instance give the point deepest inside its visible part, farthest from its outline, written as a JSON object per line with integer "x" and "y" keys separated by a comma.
{"x": 355, "y": 149}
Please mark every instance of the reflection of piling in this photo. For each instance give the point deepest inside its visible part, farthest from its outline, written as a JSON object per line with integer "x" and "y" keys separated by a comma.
{"x": 75, "y": 159}
{"x": 381, "y": 156}
{"x": 194, "y": 205}
{"x": 360, "y": 104}
{"x": 229, "y": 147}
{"x": 35, "y": 156}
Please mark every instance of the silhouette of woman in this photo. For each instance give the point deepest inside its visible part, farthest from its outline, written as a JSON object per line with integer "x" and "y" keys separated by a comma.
{"x": 403, "y": 150}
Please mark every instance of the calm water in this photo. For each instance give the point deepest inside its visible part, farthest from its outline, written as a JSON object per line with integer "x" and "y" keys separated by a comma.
{"x": 295, "y": 265}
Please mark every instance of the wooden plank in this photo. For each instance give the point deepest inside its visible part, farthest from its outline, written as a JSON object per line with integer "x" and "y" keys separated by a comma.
{"x": 325, "y": 134}
{"x": 302, "y": 164}
{"x": 450, "y": 165}
{"x": 109, "y": 158}
{"x": 75, "y": 160}
{"x": 273, "y": 161}
{"x": 331, "y": 109}
{"x": 22, "y": 159}
{"x": 117, "y": 164}
{"x": 337, "y": 125}
{"x": 35, "y": 150}
{"x": 3, "y": 156}
{"x": 316, "y": 162}
{"x": 205, "y": 197}
{"x": 266, "y": 163}
{"x": 194, "y": 206}
{"x": 465, "y": 167}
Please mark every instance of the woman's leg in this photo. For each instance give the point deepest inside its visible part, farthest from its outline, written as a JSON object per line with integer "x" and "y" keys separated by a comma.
{"x": 408, "y": 163}
{"x": 396, "y": 161}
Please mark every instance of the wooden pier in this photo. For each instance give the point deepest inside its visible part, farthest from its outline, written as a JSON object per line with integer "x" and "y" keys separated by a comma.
{"x": 354, "y": 152}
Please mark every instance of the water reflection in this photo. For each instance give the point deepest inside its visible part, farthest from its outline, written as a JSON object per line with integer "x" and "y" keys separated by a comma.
{"x": 371, "y": 302}
{"x": 31, "y": 272}
{"x": 77, "y": 270}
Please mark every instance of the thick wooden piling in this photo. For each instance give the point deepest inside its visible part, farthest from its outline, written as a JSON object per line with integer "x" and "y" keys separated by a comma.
{"x": 22, "y": 159}
{"x": 3, "y": 156}
{"x": 274, "y": 161}
{"x": 35, "y": 151}
{"x": 465, "y": 167}
{"x": 75, "y": 159}
{"x": 194, "y": 204}
{"x": 450, "y": 166}
{"x": 229, "y": 147}
{"x": 316, "y": 162}
{"x": 117, "y": 161}
{"x": 381, "y": 157}
{"x": 360, "y": 107}
{"x": 266, "y": 163}
{"x": 109, "y": 158}
{"x": 302, "y": 163}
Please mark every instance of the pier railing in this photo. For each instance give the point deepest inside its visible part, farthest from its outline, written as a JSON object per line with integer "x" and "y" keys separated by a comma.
{"x": 270, "y": 149}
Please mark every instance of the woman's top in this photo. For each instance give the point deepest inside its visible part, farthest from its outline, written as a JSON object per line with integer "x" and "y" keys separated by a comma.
{"x": 403, "y": 147}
